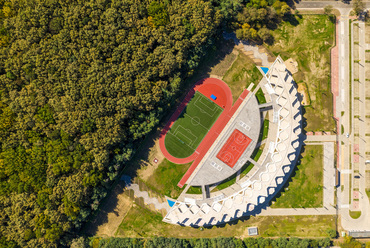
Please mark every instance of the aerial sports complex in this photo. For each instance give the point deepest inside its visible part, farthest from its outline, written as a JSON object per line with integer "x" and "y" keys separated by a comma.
{"x": 221, "y": 139}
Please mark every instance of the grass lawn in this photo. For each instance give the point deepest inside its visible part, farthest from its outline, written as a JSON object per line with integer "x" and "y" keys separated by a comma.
{"x": 355, "y": 214}
{"x": 256, "y": 155}
{"x": 260, "y": 96}
{"x": 165, "y": 178}
{"x": 309, "y": 44}
{"x": 141, "y": 222}
{"x": 305, "y": 186}
{"x": 194, "y": 190}
{"x": 265, "y": 130}
{"x": 246, "y": 168}
{"x": 242, "y": 72}
{"x": 368, "y": 193}
{"x": 226, "y": 183}
{"x": 192, "y": 125}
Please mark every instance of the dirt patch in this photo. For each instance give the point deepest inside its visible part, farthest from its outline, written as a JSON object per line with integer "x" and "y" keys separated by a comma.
{"x": 224, "y": 64}
{"x": 291, "y": 65}
{"x": 111, "y": 214}
{"x": 319, "y": 68}
{"x": 303, "y": 91}
{"x": 149, "y": 166}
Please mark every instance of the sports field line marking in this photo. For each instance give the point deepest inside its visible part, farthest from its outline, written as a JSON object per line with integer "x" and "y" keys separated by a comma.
{"x": 197, "y": 100}
{"x": 179, "y": 139}
{"x": 184, "y": 138}
{"x": 195, "y": 119}
{"x": 194, "y": 139}
{"x": 201, "y": 99}
{"x": 179, "y": 133}
{"x": 227, "y": 157}
{"x": 199, "y": 122}
{"x": 186, "y": 130}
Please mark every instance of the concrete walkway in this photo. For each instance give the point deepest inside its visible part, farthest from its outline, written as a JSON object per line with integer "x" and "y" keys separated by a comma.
{"x": 321, "y": 138}
{"x": 329, "y": 175}
{"x": 298, "y": 211}
{"x": 257, "y": 54}
{"x": 144, "y": 194}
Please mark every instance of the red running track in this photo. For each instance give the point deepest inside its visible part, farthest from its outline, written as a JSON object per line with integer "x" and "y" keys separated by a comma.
{"x": 207, "y": 87}
{"x": 224, "y": 99}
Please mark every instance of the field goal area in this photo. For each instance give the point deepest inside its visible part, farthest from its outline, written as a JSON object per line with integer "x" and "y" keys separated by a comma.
{"x": 192, "y": 126}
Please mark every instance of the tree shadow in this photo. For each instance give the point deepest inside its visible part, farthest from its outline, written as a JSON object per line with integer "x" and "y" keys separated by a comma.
{"x": 100, "y": 216}
{"x": 291, "y": 19}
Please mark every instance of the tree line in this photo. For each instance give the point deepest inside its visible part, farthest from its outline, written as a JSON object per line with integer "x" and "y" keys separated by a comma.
{"x": 159, "y": 242}
{"x": 81, "y": 84}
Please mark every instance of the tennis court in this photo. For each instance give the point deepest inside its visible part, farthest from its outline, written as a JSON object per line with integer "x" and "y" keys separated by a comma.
{"x": 191, "y": 126}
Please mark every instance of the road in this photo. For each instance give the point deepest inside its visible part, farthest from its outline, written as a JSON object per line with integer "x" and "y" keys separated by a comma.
{"x": 357, "y": 199}
{"x": 321, "y": 4}
{"x": 350, "y": 103}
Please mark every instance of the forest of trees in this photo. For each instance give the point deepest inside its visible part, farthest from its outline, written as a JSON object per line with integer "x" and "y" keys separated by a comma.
{"x": 81, "y": 83}
{"x": 257, "y": 18}
{"x": 220, "y": 242}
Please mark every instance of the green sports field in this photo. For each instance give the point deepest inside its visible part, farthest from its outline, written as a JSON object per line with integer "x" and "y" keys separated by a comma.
{"x": 191, "y": 126}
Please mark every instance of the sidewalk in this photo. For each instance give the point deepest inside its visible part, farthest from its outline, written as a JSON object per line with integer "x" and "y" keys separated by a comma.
{"x": 298, "y": 211}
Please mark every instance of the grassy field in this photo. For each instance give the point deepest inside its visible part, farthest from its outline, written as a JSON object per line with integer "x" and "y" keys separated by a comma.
{"x": 192, "y": 125}
{"x": 165, "y": 178}
{"x": 241, "y": 74}
{"x": 308, "y": 41}
{"x": 305, "y": 187}
{"x": 141, "y": 222}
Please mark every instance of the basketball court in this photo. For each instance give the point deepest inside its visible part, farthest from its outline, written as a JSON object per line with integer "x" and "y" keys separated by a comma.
{"x": 234, "y": 148}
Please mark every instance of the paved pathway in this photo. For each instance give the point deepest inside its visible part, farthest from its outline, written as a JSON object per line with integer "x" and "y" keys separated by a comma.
{"x": 329, "y": 175}
{"x": 249, "y": 48}
{"x": 257, "y": 54}
{"x": 144, "y": 194}
{"x": 321, "y": 4}
{"x": 298, "y": 211}
{"x": 321, "y": 138}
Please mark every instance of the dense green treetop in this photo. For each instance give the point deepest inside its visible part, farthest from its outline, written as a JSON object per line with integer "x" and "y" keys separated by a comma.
{"x": 81, "y": 83}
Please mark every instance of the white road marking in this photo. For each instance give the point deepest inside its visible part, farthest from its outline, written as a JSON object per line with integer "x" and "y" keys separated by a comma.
{"x": 344, "y": 206}
{"x": 345, "y": 172}
{"x": 342, "y": 50}
{"x": 342, "y": 95}
{"x": 342, "y": 28}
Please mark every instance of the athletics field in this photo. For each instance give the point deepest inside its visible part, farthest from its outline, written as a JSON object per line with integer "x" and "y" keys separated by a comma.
{"x": 191, "y": 126}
